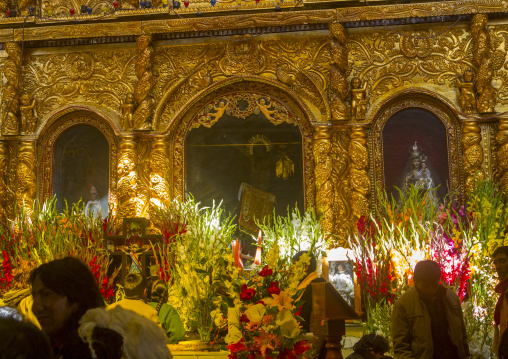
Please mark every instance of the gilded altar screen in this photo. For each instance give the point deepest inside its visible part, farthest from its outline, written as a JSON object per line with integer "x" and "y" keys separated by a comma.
{"x": 80, "y": 168}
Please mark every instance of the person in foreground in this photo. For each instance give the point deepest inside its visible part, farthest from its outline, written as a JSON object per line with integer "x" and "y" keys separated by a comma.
{"x": 168, "y": 316}
{"x": 63, "y": 290}
{"x": 370, "y": 346}
{"x": 500, "y": 261}
{"x": 427, "y": 320}
{"x": 19, "y": 340}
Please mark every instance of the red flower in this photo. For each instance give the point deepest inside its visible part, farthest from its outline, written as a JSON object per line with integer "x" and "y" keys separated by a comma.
{"x": 265, "y": 271}
{"x": 247, "y": 293}
{"x": 244, "y": 319}
{"x": 299, "y": 312}
{"x": 236, "y": 347}
{"x": 301, "y": 347}
{"x": 274, "y": 288}
{"x": 286, "y": 354}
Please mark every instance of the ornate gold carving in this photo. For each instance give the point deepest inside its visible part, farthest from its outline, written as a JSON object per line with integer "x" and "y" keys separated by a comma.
{"x": 143, "y": 113}
{"x": 78, "y": 31}
{"x": 23, "y": 6}
{"x": 242, "y": 57}
{"x": 481, "y": 56}
{"x": 240, "y": 21}
{"x": 129, "y": 202}
{"x": 323, "y": 168}
{"x": 10, "y": 103}
{"x": 438, "y": 8}
{"x": 489, "y": 146}
{"x": 128, "y": 107}
{"x": 28, "y": 118}
{"x": 473, "y": 154}
{"x": 209, "y": 118}
{"x": 467, "y": 97}
{"x": 385, "y": 61}
{"x": 358, "y": 176}
{"x": 25, "y": 174}
{"x": 339, "y": 87}
{"x": 101, "y": 78}
{"x": 427, "y": 101}
{"x": 502, "y": 154}
{"x": 4, "y": 166}
{"x": 358, "y": 100}
{"x": 159, "y": 186}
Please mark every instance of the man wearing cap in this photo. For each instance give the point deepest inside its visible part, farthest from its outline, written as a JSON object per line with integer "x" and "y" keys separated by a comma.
{"x": 427, "y": 320}
{"x": 500, "y": 260}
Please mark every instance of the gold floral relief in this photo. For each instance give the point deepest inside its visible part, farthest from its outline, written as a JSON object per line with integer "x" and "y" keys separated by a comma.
{"x": 26, "y": 179}
{"x": 100, "y": 78}
{"x": 472, "y": 159}
{"x": 10, "y": 92}
{"x": 4, "y": 166}
{"x": 502, "y": 154}
{"x": 499, "y": 37}
{"x": 62, "y": 7}
{"x": 430, "y": 57}
{"x": 358, "y": 176}
{"x": 323, "y": 169}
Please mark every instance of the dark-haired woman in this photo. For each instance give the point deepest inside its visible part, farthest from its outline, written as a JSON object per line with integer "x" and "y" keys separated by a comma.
{"x": 370, "y": 346}
{"x": 63, "y": 290}
{"x": 168, "y": 317}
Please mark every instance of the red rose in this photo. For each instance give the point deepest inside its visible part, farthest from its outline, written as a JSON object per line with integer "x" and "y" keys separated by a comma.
{"x": 274, "y": 288}
{"x": 247, "y": 293}
{"x": 301, "y": 347}
{"x": 265, "y": 271}
{"x": 236, "y": 347}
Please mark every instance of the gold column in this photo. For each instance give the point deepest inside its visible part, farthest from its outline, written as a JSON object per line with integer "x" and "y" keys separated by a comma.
{"x": 358, "y": 175}
{"x": 26, "y": 189}
{"x": 129, "y": 203}
{"x": 502, "y": 154}
{"x": 10, "y": 125}
{"x": 4, "y": 166}
{"x": 323, "y": 178}
{"x": 339, "y": 87}
{"x": 160, "y": 193}
{"x": 146, "y": 80}
{"x": 472, "y": 153}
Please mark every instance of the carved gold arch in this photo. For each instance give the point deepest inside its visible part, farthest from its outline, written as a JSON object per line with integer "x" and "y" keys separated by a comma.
{"x": 289, "y": 110}
{"x": 54, "y": 129}
{"x": 422, "y": 100}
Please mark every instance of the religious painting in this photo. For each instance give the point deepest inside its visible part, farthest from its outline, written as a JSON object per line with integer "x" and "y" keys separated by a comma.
{"x": 415, "y": 153}
{"x": 341, "y": 276}
{"x": 253, "y": 166}
{"x": 81, "y": 168}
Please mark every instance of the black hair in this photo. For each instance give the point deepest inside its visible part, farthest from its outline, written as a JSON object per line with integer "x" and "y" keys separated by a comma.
{"x": 73, "y": 279}
{"x": 135, "y": 285}
{"x": 159, "y": 293}
{"x": 312, "y": 263}
{"x": 107, "y": 343}
{"x": 500, "y": 250}
{"x": 427, "y": 270}
{"x": 377, "y": 343}
{"x": 22, "y": 340}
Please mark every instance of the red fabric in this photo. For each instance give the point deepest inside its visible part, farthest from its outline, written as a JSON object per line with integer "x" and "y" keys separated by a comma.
{"x": 501, "y": 289}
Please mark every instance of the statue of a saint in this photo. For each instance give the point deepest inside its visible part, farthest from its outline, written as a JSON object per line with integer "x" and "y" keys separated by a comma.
{"x": 93, "y": 206}
{"x": 344, "y": 284}
{"x": 358, "y": 101}
{"x": 467, "y": 96}
{"x": 418, "y": 173}
{"x": 128, "y": 108}
{"x": 28, "y": 120}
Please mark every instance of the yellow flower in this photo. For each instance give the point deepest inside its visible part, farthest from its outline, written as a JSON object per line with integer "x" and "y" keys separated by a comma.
{"x": 288, "y": 324}
{"x": 256, "y": 313}
{"x": 282, "y": 301}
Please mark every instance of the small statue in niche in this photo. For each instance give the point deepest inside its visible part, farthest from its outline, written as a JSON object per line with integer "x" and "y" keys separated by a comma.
{"x": 93, "y": 206}
{"x": 358, "y": 100}
{"x": 128, "y": 108}
{"x": 467, "y": 96}
{"x": 418, "y": 174}
{"x": 28, "y": 119}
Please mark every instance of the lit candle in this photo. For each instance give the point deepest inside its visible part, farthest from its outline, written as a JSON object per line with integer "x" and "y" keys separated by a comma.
{"x": 257, "y": 259}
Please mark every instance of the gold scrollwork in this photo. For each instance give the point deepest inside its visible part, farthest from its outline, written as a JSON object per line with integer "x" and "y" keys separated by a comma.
{"x": 10, "y": 125}
{"x": 502, "y": 154}
{"x": 130, "y": 203}
{"x": 473, "y": 154}
{"x": 358, "y": 175}
{"x": 146, "y": 81}
{"x": 339, "y": 87}
{"x": 4, "y": 166}
{"x": 25, "y": 174}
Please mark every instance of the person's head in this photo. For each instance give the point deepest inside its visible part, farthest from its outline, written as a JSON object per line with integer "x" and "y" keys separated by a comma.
{"x": 20, "y": 340}
{"x": 135, "y": 286}
{"x": 500, "y": 260}
{"x": 427, "y": 275}
{"x": 159, "y": 291}
{"x": 63, "y": 290}
{"x": 371, "y": 344}
{"x": 356, "y": 83}
{"x": 93, "y": 193}
{"x": 468, "y": 75}
{"x": 416, "y": 162}
{"x": 312, "y": 263}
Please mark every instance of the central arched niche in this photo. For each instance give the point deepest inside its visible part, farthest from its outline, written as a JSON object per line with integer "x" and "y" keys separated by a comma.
{"x": 81, "y": 160}
{"x": 400, "y": 133}
{"x": 245, "y": 147}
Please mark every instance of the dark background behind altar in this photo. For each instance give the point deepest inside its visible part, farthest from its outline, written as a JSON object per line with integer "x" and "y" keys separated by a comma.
{"x": 399, "y": 135}
{"x": 218, "y": 160}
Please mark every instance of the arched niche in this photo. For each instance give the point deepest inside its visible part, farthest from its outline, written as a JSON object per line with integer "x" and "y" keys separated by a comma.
{"x": 87, "y": 144}
{"x": 283, "y": 118}
{"x": 411, "y": 117}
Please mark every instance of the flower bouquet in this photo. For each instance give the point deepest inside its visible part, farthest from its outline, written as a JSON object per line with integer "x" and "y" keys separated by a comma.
{"x": 263, "y": 316}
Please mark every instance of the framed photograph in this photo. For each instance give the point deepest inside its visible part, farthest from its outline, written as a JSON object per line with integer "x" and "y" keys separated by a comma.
{"x": 341, "y": 276}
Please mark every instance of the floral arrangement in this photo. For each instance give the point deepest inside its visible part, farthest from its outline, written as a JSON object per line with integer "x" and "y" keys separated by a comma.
{"x": 263, "y": 319}
{"x": 47, "y": 235}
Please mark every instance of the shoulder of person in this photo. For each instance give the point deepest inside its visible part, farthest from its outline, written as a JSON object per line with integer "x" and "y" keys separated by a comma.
{"x": 318, "y": 280}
